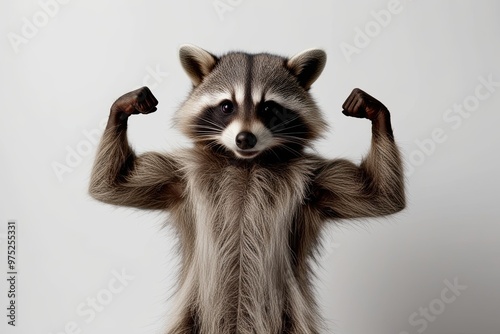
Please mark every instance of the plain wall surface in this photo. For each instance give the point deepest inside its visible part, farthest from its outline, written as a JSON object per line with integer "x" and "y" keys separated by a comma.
{"x": 434, "y": 268}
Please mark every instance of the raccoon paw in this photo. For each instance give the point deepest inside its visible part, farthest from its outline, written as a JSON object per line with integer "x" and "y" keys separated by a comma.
{"x": 362, "y": 105}
{"x": 139, "y": 101}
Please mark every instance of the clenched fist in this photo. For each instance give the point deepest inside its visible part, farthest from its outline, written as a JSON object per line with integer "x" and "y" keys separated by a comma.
{"x": 362, "y": 105}
{"x": 139, "y": 101}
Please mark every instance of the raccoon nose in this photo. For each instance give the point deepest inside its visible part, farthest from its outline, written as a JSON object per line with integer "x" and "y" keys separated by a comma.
{"x": 246, "y": 140}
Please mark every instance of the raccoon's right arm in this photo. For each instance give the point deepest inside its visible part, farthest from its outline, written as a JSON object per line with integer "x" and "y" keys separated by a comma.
{"x": 147, "y": 181}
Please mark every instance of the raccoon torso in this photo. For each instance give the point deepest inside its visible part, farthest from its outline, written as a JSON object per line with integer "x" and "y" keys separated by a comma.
{"x": 244, "y": 274}
{"x": 247, "y": 202}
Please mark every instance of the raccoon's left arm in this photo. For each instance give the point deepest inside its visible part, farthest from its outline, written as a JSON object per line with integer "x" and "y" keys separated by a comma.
{"x": 375, "y": 187}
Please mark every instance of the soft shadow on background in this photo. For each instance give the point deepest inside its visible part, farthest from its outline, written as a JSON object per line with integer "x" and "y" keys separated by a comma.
{"x": 85, "y": 267}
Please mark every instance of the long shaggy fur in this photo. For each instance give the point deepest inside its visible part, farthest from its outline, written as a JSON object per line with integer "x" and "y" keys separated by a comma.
{"x": 248, "y": 228}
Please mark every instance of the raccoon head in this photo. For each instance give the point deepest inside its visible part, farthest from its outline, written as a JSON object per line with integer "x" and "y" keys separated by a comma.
{"x": 249, "y": 105}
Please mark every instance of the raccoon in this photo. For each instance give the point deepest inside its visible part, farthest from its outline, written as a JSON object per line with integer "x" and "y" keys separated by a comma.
{"x": 249, "y": 200}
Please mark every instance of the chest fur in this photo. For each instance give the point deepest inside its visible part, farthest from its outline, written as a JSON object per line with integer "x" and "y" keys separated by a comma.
{"x": 235, "y": 205}
{"x": 242, "y": 227}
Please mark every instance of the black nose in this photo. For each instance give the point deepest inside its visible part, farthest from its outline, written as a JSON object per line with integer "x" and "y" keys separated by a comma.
{"x": 246, "y": 140}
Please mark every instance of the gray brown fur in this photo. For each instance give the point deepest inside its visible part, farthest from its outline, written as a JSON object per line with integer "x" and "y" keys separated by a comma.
{"x": 248, "y": 229}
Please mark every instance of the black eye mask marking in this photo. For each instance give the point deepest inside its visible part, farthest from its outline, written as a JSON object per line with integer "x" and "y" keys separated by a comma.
{"x": 282, "y": 121}
{"x": 213, "y": 120}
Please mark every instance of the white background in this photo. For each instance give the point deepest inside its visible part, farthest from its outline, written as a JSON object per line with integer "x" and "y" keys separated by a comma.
{"x": 58, "y": 84}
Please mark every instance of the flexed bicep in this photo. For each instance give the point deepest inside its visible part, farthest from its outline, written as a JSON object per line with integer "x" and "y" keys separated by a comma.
{"x": 376, "y": 186}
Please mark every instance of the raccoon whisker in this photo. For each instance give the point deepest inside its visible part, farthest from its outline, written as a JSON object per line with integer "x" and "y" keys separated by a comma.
{"x": 217, "y": 147}
{"x": 289, "y": 149}
{"x": 205, "y": 138}
{"x": 285, "y": 122}
{"x": 294, "y": 151}
{"x": 206, "y": 128}
{"x": 213, "y": 142}
{"x": 292, "y": 134}
{"x": 204, "y": 119}
{"x": 287, "y": 127}
{"x": 291, "y": 139}
{"x": 212, "y": 126}
{"x": 207, "y": 133}
{"x": 274, "y": 152}
{"x": 287, "y": 132}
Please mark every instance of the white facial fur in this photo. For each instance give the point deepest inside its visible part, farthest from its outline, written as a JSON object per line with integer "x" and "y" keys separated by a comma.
{"x": 265, "y": 138}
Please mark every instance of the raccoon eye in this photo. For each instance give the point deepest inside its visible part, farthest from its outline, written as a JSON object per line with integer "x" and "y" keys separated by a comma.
{"x": 226, "y": 107}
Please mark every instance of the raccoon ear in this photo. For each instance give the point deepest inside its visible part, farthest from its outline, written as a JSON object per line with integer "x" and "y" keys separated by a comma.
{"x": 197, "y": 62}
{"x": 307, "y": 66}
